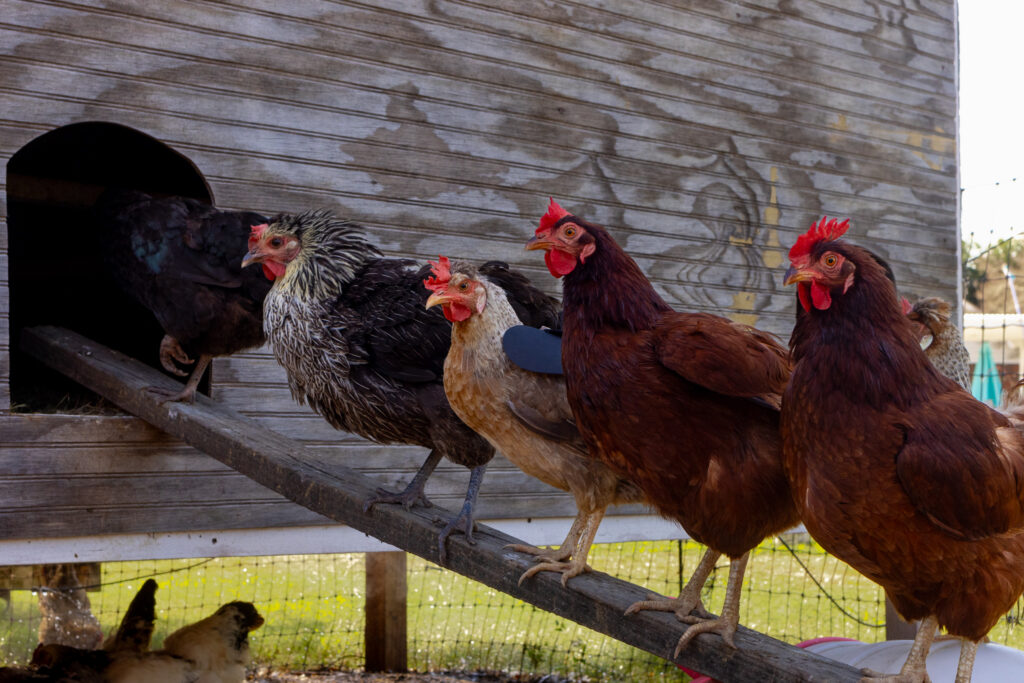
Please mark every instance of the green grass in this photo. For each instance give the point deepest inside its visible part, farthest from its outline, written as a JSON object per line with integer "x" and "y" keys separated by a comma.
{"x": 313, "y": 608}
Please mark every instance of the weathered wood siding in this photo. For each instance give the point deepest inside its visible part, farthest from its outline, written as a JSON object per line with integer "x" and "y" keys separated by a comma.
{"x": 705, "y": 135}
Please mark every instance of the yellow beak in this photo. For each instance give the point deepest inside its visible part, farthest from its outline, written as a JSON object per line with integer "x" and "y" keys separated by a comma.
{"x": 538, "y": 242}
{"x": 437, "y": 298}
{"x": 793, "y": 276}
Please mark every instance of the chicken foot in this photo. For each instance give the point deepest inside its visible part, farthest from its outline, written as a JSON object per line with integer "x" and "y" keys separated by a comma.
{"x": 464, "y": 520}
{"x": 413, "y": 493}
{"x": 580, "y": 538}
{"x": 170, "y": 351}
{"x": 689, "y": 598}
{"x": 188, "y": 394}
{"x": 559, "y": 554}
{"x": 914, "y": 669}
{"x": 726, "y": 624}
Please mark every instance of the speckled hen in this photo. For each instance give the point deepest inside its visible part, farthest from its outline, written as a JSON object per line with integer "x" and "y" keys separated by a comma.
{"x": 350, "y": 328}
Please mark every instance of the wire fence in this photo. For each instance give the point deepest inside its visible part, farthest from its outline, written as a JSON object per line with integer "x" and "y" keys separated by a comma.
{"x": 313, "y": 605}
{"x": 993, "y": 325}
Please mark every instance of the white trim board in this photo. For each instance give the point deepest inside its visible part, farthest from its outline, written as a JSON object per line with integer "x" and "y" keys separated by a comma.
{"x": 308, "y": 540}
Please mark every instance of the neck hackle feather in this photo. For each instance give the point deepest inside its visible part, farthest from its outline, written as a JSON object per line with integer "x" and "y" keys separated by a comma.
{"x": 332, "y": 251}
{"x": 609, "y": 289}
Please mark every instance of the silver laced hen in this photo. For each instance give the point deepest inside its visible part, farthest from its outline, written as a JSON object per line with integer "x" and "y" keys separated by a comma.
{"x": 360, "y": 349}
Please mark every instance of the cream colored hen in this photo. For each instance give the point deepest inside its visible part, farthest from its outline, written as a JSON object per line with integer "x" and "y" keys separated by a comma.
{"x": 523, "y": 414}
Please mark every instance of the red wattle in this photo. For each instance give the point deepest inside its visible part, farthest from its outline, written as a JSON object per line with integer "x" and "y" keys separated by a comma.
{"x": 805, "y": 296}
{"x": 273, "y": 270}
{"x": 559, "y": 263}
{"x": 456, "y": 312}
{"x": 821, "y": 296}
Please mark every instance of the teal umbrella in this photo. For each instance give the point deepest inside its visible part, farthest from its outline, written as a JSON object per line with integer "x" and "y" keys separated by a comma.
{"x": 985, "y": 383}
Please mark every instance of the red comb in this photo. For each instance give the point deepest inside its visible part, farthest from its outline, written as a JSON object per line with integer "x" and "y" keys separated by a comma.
{"x": 442, "y": 274}
{"x": 555, "y": 213}
{"x": 256, "y": 234}
{"x": 825, "y": 230}
{"x": 907, "y": 308}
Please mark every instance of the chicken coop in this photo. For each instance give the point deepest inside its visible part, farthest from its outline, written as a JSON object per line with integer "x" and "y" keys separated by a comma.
{"x": 704, "y": 136}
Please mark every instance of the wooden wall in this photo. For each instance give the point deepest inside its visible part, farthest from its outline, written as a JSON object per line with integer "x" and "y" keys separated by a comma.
{"x": 706, "y": 135}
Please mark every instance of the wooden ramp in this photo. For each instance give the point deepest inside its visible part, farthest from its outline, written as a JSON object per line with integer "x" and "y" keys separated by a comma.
{"x": 594, "y": 600}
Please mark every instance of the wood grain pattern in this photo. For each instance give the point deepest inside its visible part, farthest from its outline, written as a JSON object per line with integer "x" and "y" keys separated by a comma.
{"x": 596, "y": 600}
{"x": 706, "y": 136}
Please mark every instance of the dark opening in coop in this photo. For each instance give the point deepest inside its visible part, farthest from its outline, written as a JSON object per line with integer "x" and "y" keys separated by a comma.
{"x": 57, "y": 273}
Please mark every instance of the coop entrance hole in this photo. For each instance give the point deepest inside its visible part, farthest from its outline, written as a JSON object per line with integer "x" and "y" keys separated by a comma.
{"x": 57, "y": 275}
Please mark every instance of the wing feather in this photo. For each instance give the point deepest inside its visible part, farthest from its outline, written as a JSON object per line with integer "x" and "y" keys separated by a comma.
{"x": 962, "y": 465}
{"x": 726, "y": 357}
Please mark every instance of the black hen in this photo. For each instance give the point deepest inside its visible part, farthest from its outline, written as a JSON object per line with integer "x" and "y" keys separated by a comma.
{"x": 361, "y": 350}
{"x": 178, "y": 257}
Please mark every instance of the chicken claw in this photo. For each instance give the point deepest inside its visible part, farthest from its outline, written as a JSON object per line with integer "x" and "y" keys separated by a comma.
{"x": 559, "y": 554}
{"x": 413, "y": 493}
{"x": 689, "y": 601}
{"x": 568, "y": 569}
{"x": 724, "y": 626}
{"x": 681, "y": 606}
{"x": 689, "y": 598}
{"x": 187, "y": 394}
{"x": 170, "y": 351}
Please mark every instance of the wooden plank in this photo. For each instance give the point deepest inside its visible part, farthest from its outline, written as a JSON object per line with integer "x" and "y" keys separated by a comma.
{"x": 386, "y": 621}
{"x": 731, "y": 113}
{"x": 640, "y": 162}
{"x": 595, "y": 600}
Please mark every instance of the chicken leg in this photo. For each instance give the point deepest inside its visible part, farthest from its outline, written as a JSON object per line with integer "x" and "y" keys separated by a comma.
{"x": 576, "y": 545}
{"x": 689, "y": 601}
{"x": 914, "y": 669}
{"x": 689, "y": 598}
{"x": 464, "y": 520}
{"x": 726, "y": 624}
{"x": 968, "y": 650}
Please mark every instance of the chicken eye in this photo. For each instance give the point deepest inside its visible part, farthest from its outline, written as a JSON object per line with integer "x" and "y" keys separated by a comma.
{"x": 464, "y": 286}
{"x": 831, "y": 260}
{"x": 570, "y": 231}
{"x": 276, "y": 242}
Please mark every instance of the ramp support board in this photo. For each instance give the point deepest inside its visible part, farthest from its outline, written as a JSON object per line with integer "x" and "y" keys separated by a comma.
{"x": 594, "y": 600}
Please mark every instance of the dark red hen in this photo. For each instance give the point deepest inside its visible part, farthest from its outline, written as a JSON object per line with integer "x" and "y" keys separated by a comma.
{"x": 896, "y": 469}
{"x": 685, "y": 405}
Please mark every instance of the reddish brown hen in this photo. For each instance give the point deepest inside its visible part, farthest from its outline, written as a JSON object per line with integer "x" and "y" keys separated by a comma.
{"x": 685, "y": 405}
{"x": 896, "y": 469}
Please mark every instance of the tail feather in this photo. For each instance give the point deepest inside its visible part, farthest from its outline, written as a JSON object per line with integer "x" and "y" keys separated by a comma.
{"x": 136, "y": 629}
